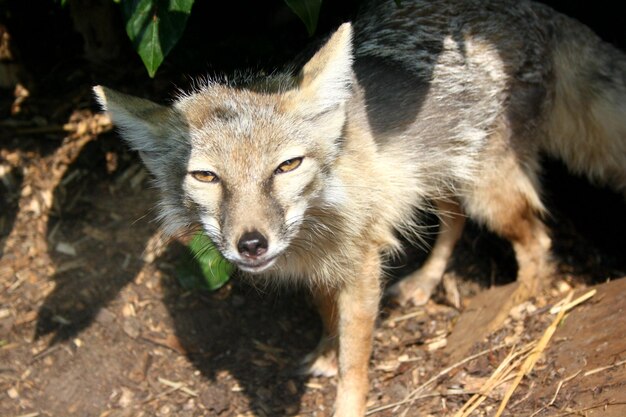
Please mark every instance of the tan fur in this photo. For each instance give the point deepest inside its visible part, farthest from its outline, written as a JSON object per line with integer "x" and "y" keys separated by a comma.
{"x": 357, "y": 304}
{"x": 515, "y": 213}
{"x": 449, "y": 102}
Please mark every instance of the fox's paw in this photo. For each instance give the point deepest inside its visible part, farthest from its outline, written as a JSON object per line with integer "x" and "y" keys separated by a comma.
{"x": 322, "y": 361}
{"x": 408, "y": 292}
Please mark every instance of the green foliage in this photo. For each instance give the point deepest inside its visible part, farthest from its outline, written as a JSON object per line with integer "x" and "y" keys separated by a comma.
{"x": 154, "y": 27}
{"x": 208, "y": 270}
{"x": 308, "y": 11}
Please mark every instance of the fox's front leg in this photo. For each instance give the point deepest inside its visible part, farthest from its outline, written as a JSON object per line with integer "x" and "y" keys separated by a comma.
{"x": 357, "y": 305}
{"x": 323, "y": 360}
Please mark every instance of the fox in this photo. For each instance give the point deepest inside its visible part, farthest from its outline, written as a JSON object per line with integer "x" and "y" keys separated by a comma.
{"x": 313, "y": 177}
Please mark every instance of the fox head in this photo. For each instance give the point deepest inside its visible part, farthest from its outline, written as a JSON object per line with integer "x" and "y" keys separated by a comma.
{"x": 248, "y": 164}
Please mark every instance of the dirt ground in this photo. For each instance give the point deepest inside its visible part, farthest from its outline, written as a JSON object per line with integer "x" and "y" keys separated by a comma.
{"x": 95, "y": 321}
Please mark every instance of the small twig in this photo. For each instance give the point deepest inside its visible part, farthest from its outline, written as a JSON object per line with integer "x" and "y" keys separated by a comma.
{"x": 103, "y": 124}
{"x": 178, "y": 386}
{"x": 558, "y": 387}
{"x": 43, "y": 130}
{"x": 20, "y": 280}
{"x": 408, "y": 316}
{"x": 545, "y": 407}
{"x": 174, "y": 386}
{"x": 526, "y": 396}
{"x": 159, "y": 395}
{"x": 556, "y": 393}
{"x": 582, "y": 410}
{"x": 47, "y": 351}
{"x": 604, "y": 368}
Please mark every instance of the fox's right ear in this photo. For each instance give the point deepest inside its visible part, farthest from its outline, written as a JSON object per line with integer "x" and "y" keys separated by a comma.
{"x": 326, "y": 80}
{"x": 143, "y": 124}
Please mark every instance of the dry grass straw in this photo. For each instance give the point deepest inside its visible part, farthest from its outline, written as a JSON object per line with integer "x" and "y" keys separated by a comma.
{"x": 501, "y": 374}
{"x": 524, "y": 359}
{"x": 415, "y": 394}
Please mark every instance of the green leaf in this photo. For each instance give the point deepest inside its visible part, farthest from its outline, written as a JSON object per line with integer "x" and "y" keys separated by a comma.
{"x": 215, "y": 269}
{"x": 308, "y": 11}
{"x": 154, "y": 27}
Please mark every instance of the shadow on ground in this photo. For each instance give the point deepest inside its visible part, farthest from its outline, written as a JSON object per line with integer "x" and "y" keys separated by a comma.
{"x": 256, "y": 336}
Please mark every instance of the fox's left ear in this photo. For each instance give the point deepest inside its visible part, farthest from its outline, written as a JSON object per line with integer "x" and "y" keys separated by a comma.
{"x": 141, "y": 121}
{"x": 146, "y": 126}
{"x": 326, "y": 80}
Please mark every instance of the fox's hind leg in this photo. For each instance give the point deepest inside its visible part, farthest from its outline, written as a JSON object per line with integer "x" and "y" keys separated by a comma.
{"x": 505, "y": 197}
{"x": 418, "y": 287}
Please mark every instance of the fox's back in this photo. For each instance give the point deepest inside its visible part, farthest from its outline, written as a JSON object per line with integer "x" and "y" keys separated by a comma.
{"x": 440, "y": 77}
{"x": 421, "y": 35}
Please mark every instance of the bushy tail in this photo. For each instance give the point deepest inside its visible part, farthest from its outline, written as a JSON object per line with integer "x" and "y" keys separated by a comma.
{"x": 587, "y": 127}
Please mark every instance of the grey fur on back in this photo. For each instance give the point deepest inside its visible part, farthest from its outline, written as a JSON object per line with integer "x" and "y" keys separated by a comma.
{"x": 464, "y": 69}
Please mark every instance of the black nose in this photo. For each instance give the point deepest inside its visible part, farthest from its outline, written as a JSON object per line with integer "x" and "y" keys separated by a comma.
{"x": 252, "y": 244}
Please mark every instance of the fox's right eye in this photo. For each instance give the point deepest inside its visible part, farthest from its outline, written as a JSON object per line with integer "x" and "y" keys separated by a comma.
{"x": 204, "y": 176}
{"x": 289, "y": 165}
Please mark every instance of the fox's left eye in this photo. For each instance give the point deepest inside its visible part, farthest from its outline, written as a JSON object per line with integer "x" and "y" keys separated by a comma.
{"x": 289, "y": 165}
